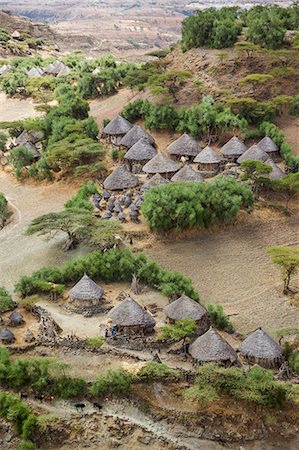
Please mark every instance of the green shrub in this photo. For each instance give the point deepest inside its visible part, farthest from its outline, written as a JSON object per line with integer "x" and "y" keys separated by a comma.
{"x": 179, "y": 206}
{"x": 219, "y": 319}
{"x": 14, "y": 410}
{"x": 27, "y": 445}
{"x": 6, "y": 302}
{"x": 81, "y": 198}
{"x": 96, "y": 341}
{"x": 294, "y": 106}
{"x": 115, "y": 382}
{"x": 20, "y": 157}
{"x": 3, "y": 210}
{"x": 153, "y": 371}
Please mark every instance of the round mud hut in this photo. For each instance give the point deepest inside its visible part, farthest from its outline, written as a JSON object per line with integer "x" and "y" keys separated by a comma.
{"x": 6, "y": 336}
{"x": 211, "y": 347}
{"x": 187, "y": 174}
{"x": 134, "y": 135}
{"x": 233, "y": 149}
{"x": 268, "y": 146}
{"x": 276, "y": 170}
{"x": 186, "y": 308}
{"x": 116, "y": 129}
{"x": 120, "y": 179}
{"x": 162, "y": 165}
{"x": 260, "y": 348}
{"x": 86, "y": 296}
{"x": 183, "y": 147}
{"x": 16, "y": 319}
{"x": 254, "y": 153}
{"x": 208, "y": 162}
{"x": 131, "y": 318}
{"x": 155, "y": 181}
{"x": 138, "y": 155}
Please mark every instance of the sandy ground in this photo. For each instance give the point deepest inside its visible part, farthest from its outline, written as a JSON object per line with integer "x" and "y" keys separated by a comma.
{"x": 15, "y": 109}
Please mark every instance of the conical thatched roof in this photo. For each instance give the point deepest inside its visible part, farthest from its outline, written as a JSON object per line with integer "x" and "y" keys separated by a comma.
{"x": 35, "y": 72}
{"x": 141, "y": 151}
{"x": 6, "y": 335}
{"x": 16, "y": 34}
{"x": 134, "y": 135}
{"x": 161, "y": 164}
{"x": 212, "y": 347}
{"x": 186, "y": 173}
{"x": 185, "y": 308}
{"x": 64, "y": 71}
{"x": 6, "y": 68}
{"x": 254, "y": 153}
{"x": 55, "y": 67}
{"x": 156, "y": 180}
{"x": 117, "y": 126}
{"x": 184, "y": 146}
{"x": 86, "y": 289}
{"x": 207, "y": 156}
{"x": 234, "y": 147}
{"x": 119, "y": 179}
{"x": 267, "y": 145}
{"x": 129, "y": 313}
{"x": 16, "y": 319}
{"x": 260, "y": 345}
{"x": 276, "y": 171}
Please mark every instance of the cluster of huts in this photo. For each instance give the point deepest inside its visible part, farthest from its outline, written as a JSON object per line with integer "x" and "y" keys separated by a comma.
{"x": 15, "y": 319}
{"x": 185, "y": 160}
{"x": 55, "y": 69}
{"x": 129, "y": 318}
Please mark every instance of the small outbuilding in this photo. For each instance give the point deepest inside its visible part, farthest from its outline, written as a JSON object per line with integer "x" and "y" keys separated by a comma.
{"x": 116, "y": 129}
{"x": 16, "y": 35}
{"x": 155, "y": 181}
{"x": 16, "y": 319}
{"x": 6, "y": 336}
{"x": 233, "y": 149}
{"x": 131, "y": 318}
{"x": 208, "y": 162}
{"x": 86, "y": 295}
{"x": 187, "y": 174}
{"x": 184, "y": 147}
{"x": 134, "y": 135}
{"x": 268, "y": 146}
{"x": 276, "y": 170}
{"x": 56, "y": 68}
{"x": 162, "y": 165}
{"x": 260, "y": 348}
{"x": 138, "y": 155}
{"x": 120, "y": 179}
{"x": 186, "y": 308}
{"x": 254, "y": 153}
{"x": 35, "y": 72}
{"x": 4, "y": 69}
{"x": 211, "y": 347}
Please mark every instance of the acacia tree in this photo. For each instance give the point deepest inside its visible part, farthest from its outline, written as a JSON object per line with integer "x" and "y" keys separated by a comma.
{"x": 181, "y": 329}
{"x": 288, "y": 186}
{"x": 255, "y": 79}
{"x": 256, "y": 173}
{"x": 80, "y": 225}
{"x": 169, "y": 83}
{"x": 287, "y": 258}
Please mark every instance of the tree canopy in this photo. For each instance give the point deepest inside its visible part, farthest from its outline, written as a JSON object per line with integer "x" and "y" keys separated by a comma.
{"x": 287, "y": 258}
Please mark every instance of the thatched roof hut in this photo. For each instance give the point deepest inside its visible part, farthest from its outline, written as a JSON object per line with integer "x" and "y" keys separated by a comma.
{"x": 120, "y": 179}
{"x": 4, "y": 69}
{"x": 64, "y": 71}
{"x": 208, "y": 161}
{"x": 16, "y": 35}
{"x": 56, "y": 67}
{"x": 212, "y": 347}
{"x": 276, "y": 171}
{"x": 155, "y": 181}
{"x": 33, "y": 137}
{"x": 86, "y": 295}
{"x": 187, "y": 174}
{"x": 139, "y": 154}
{"x": 6, "y": 336}
{"x": 254, "y": 153}
{"x": 134, "y": 135}
{"x": 268, "y": 146}
{"x": 16, "y": 319}
{"x": 233, "y": 149}
{"x": 184, "y": 146}
{"x": 260, "y": 348}
{"x": 116, "y": 129}
{"x": 162, "y": 165}
{"x": 35, "y": 72}
{"x": 130, "y": 317}
{"x": 186, "y": 308}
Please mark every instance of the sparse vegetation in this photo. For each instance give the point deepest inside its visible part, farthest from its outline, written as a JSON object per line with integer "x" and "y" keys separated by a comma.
{"x": 287, "y": 258}
{"x": 181, "y": 329}
{"x": 154, "y": 371}
{"x": 219, "y": 319}
{"x": 3, "y": 210}
{"x": 113, "y": 382}
{"x": 6, "y": 302}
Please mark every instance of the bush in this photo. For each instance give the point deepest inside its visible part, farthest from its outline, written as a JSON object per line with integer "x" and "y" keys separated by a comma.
{"x": 115, "y": 382}
{"x": 113, "y": 265}
{"x": 96, "y": 341}
{"x": 13, "y": 409}
{"x": 3, "y": 210}
{"x": 219, "y": 319}
{"x": 81, "y": 198}
{"x": 6, "y": 302}
{"x": 179, "y": 206}
{"x": 256, "y": 386}
{"x": 153, "y": 371}
{"x": 294, "y": 106}
{"x": 20, "y": 157}
{"x": 27, "y": 445}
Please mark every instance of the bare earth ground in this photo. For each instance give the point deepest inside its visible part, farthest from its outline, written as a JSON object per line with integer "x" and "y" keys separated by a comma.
{"x": 14, "y": 109}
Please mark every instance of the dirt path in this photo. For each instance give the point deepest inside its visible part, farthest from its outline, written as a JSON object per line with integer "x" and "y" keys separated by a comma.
{"x": 15, "y": 109}
{"x": 231, "y": 267}
{"x": 20, "y": 254}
